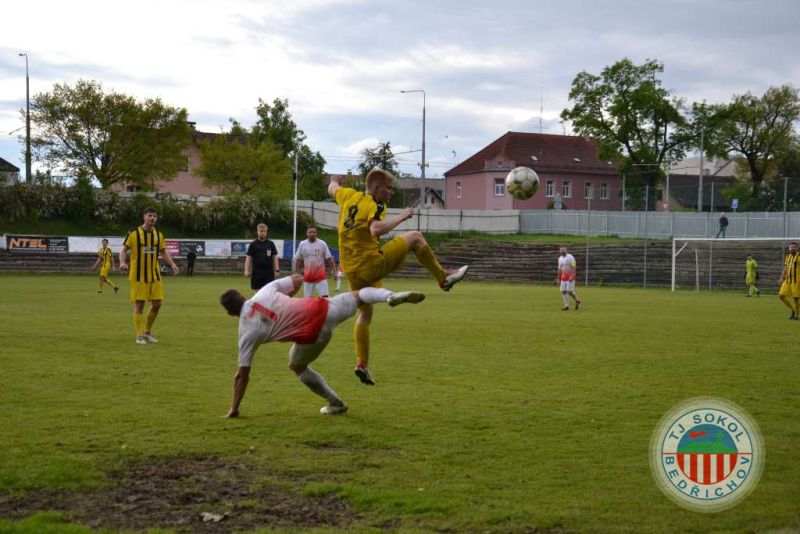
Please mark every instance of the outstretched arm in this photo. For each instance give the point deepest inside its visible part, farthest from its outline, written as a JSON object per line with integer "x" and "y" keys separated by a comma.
{"x": 288, "y": 285}
{"x": 379, "y": 228}
{"x": 336, "y": 183}
{"x": 240, "y": 381}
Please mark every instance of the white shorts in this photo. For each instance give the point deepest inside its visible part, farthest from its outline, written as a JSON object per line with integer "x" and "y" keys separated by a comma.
{"x": 322, "y": 288}
{"x": 340, "y": 308}
{"x": 567, "y": 285}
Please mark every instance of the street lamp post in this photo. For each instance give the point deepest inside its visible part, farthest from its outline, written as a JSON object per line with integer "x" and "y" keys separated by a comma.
{"x": 422, "y": 181}
{"x": 27, "y": 121}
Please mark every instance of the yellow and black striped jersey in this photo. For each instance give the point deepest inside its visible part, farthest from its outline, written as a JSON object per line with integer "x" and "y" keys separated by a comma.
{"x": 791, "y": 265}
{"x": 357, "y": 246}
{"x": 144, "y": 247}
{"x": 105, "y": 258}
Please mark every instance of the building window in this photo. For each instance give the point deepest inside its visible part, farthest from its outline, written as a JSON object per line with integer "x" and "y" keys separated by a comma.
{"x": 499, "y": 187}
{"x": 458, "y": 188}
{"x": 566, "y": 189}
{"x": 604, "y": 191}
{"x": 588, "y": 190}
{"x": 549, "y": 189}
{"x": 185, "y": 165}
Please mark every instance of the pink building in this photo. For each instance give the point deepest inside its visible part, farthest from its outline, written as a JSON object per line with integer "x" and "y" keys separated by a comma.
{"x": 186, "y": 182}
{"x": 568, "y": 170}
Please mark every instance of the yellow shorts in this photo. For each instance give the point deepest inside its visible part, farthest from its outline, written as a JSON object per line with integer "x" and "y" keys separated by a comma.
{"x": 147, "y": 291}
{"x": 790, "y": 290}
{"x": 104, "y": 271}
{"x": 392, "y": 259}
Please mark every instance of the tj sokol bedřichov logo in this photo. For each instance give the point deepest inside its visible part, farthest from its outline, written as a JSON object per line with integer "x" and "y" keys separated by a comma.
{"x": 707, "y": 454}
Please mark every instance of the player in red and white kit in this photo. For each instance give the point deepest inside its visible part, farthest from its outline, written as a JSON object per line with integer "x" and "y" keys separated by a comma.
{"x": 273, "y": 315}
{"x": 311, "y": 255}
{"x": 567, "y": 272}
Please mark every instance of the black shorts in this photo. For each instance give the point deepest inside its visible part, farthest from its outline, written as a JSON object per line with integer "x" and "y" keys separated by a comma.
{"x": 259, "y": 280}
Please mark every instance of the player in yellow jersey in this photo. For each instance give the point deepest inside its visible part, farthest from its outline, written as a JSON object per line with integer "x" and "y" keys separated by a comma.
{"x": 105, "y": 259}
{"x": 751, "y": 268}
{"x": 366, "y": 261}
{"x": 144, "y": 244}
{"x": 790, "y": 281}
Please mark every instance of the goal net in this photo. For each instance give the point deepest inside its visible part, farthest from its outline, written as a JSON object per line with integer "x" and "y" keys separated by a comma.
{"x": 702, "y": 264}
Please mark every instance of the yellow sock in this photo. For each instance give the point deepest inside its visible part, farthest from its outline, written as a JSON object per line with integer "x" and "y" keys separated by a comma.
{"x": 137, "y": 323}
{"x": 789, "y": 301}
{"x": 361, "y": 336}
{"x": 151, "y": 318}
{"x": 427, "y": 259}
{"x": 101, "y": 286}
{"x": 109, "y": 282}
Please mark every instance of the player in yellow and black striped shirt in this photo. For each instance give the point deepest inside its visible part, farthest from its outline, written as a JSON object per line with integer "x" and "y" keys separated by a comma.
{"x": 144, "y": 244}
{"x": 106, "y": 261}
{"x": 790, "y": 281}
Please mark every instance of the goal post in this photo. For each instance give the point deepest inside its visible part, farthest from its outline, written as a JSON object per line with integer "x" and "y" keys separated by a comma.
{"x": 709, "y": 264}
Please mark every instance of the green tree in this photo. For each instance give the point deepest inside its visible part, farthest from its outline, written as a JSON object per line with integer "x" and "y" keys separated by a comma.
{"x": 759, "y": 129}
{"x": 275, "y": 124}
{"x": 380, "y": 157}
{"x": 82, "y": 131}
{"x": 632, "y": 117}
{"x": 237, "y": 166}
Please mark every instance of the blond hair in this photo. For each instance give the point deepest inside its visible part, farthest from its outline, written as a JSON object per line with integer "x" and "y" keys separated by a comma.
{"x": 378, "y": 177}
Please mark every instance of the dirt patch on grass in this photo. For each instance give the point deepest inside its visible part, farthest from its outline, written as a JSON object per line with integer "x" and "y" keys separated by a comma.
{"x": 199, "y": 494}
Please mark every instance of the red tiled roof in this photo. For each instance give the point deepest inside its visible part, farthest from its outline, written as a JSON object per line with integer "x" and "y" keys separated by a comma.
{"x": 553, "y": 153}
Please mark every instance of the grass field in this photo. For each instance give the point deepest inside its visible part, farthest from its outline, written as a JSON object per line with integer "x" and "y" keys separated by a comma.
{"x": 494, "y": 411}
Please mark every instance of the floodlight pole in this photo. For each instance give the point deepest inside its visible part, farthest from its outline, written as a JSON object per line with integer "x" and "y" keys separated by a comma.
{"x": 27, "y": 121}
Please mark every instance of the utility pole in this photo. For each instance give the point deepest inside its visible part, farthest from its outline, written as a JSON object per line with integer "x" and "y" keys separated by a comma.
{"x": 422, "y": 175}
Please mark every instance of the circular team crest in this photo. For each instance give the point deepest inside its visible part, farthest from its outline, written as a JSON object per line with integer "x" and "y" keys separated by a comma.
{"x": 707, "y": 454}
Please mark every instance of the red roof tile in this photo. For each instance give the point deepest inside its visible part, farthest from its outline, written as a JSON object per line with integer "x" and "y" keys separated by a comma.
{"x": 553, "y": 153}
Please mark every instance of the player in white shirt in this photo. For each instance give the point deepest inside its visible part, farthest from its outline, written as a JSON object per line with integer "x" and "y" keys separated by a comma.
{"x": 274, "y": 315}
{"x": 567, "y": 271}
{"x": 339, "y": 274}
{"x": 311, "y": 255}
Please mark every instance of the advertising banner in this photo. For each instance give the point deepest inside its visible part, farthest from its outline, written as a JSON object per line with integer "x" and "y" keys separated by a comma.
{"x": 35, "y": 243}
{"x": 218, "y": 248}
{"x": 172, "y": 246}
{"x": 93, "y": 244}
{"x": 239, "y": 248}
{"x": 199, "y": 247}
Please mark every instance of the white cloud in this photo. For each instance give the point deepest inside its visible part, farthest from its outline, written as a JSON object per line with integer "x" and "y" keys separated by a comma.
{"x": 342, "y": 63}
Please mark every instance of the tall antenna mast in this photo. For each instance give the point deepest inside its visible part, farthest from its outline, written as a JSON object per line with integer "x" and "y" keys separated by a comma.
{"x": 541, "y": 107}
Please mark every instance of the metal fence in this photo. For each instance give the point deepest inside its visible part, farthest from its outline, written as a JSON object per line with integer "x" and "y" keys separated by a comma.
{"x": 658, "y": 225}
{"x": 654, "y": 225}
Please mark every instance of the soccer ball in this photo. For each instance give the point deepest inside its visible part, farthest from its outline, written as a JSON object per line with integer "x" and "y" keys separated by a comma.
{"x": 522, "y": 183}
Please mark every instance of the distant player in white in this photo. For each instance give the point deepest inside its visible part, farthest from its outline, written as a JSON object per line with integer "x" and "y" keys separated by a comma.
{"x": 310, "y": 256}
{"x": 567, "y": 271}
{"x": 273, "y": 315}
{"x": 339, "y": 274}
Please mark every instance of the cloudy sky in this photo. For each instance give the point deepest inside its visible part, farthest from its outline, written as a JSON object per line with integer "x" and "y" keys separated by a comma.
{"x": 486, "y": 67}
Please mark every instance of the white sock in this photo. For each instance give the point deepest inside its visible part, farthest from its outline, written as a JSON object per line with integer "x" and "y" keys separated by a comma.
{"x": 373, "y": 295}
{"x": 316, "y": 383}
{"x": 565, "y": 298}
